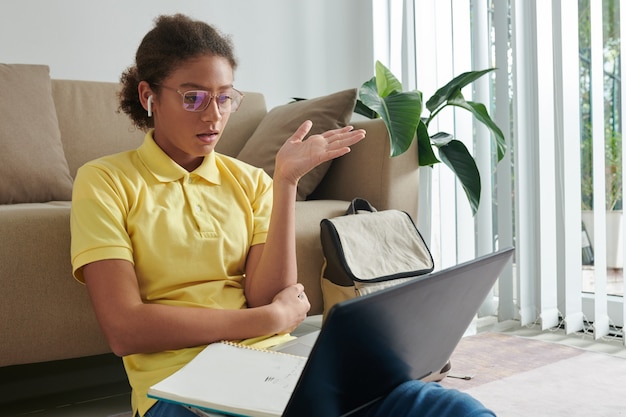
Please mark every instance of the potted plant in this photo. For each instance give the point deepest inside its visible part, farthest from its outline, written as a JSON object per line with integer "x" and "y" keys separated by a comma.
{"x": 382, "y": 96}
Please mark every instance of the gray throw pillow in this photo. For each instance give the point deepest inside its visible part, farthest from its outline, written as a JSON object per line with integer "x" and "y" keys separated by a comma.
{"x": 329, "y": 112}
{"x": 33, "y": 167}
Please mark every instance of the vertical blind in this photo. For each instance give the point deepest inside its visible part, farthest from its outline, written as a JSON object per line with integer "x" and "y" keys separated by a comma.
{"x": 532, "y": 198}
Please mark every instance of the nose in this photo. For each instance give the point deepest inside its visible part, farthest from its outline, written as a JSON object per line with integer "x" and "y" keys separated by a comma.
{"x": 212, "y": 112}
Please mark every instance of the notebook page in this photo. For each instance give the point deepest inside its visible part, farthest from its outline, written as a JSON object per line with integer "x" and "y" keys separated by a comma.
{"x": 234, "y": 379}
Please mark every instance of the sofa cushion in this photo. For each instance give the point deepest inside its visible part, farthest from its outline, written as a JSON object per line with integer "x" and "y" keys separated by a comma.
{"x": 91, "y": 126}
{"x": 33, "y": 167}
{"x": 329, "y": 112}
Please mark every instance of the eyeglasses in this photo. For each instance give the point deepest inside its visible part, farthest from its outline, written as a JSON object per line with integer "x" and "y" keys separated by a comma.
{"x": 199, "y": 100}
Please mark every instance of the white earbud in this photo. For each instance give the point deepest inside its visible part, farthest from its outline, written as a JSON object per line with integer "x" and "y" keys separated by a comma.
{"x": 150, "y": 106}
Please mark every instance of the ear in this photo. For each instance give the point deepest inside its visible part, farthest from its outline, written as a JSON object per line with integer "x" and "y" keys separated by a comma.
{"x": 146, "y": 97}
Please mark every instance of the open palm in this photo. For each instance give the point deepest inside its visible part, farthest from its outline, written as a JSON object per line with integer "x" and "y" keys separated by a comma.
{"x": 298, "y": 156}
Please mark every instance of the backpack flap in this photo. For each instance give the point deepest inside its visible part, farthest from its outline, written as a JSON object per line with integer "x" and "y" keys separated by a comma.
{"x": 373, "y": 247}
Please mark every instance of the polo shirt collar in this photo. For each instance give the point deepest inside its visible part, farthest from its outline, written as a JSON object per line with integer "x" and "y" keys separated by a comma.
{"x": 165, "y": 169}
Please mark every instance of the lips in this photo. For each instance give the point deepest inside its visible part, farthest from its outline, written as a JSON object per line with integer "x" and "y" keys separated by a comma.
{"x": 208, "y": 136}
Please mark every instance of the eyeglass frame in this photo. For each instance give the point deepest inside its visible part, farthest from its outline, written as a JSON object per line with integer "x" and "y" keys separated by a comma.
{"x": 211, "y": 97}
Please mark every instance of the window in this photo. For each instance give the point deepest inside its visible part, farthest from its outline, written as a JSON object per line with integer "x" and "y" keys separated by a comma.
{"x": 558, "y": 150}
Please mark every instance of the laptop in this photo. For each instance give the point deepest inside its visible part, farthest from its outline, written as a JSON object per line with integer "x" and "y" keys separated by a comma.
{"x": 367, "y": 346}
{"x": 371, "y": 344}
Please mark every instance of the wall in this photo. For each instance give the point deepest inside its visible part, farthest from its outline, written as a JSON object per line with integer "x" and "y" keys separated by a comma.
{"x": 286, "y": 48}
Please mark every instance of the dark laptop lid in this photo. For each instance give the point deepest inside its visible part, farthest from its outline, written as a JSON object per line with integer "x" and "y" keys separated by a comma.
{"x": 371, "y": 344}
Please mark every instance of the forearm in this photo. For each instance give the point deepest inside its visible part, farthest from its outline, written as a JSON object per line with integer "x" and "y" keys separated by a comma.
{"x": 276, "y": 267}
{"x": 148, "y": 328}
{"x": 132, "y": 325}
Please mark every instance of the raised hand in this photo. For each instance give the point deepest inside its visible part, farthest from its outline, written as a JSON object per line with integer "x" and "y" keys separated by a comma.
{"x": 298, "y": 156}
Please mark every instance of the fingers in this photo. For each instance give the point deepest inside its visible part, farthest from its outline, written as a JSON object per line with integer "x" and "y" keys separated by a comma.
{"x": 340, "y": 141}
{"x": 298, "y": 305}
{"x": 300, "y": 294}
{"x": 334, "y": 143}
{"x": 345, "y": 136}
{"x": 298, "y": 290}
{"x": 303, "y": 298}
{"x": 302, "y": 130}
{"x": 340, "y": 130}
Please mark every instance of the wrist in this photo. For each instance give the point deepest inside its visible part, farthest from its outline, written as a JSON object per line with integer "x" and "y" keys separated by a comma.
{"x": 271, "y": 318}
{"x": 284, "y": 181}
{"x": 284, "y": 189}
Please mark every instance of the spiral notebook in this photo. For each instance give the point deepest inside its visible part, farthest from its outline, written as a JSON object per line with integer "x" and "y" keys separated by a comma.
{"x": 366, "y": 347}
{"x": 243, "y": 380}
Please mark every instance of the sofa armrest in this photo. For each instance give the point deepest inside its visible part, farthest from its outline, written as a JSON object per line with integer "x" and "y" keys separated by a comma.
{"x": 369, "y": 172}
{"x": 46, "y": 314}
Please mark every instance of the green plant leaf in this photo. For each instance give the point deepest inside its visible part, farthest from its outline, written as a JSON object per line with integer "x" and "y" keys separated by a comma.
{"x": 456, "y": 156}
{"x": 400, "y": 112}
{"x": 386, "y": 82}
{"x": 480, "y": 113}
{"x": 453, "y": 88}
{"x": 363, "y": 110}
{"x": 425, "y": 154}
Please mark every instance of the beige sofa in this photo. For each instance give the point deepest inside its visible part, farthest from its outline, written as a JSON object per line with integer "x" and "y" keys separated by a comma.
{"x": 46, "y": 314}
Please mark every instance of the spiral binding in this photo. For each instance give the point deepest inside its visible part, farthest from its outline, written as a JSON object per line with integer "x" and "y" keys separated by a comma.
{"x": 242, "y": 346}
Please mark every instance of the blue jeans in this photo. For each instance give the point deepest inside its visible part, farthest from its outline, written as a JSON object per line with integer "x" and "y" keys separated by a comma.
{"x": 419, "y": 399}
{"x": 413, "y": 398}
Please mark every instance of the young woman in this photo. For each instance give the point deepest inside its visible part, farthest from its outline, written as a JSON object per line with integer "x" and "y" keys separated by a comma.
{"x": 178, "y": 245}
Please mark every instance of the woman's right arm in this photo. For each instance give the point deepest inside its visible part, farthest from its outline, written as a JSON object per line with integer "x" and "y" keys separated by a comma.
{"x": 132, "y": 326}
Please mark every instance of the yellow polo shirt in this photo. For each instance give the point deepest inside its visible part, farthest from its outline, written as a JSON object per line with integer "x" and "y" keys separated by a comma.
{"x": 187, "y": 234}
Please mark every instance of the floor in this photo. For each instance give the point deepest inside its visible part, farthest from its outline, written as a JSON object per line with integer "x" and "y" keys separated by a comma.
{"x": 113, "y": 399}
{"x": 103, "y": 401}
{"x": 525, "y": 376}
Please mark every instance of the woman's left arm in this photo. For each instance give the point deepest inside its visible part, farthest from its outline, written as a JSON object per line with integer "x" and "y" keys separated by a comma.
{"x": 271, "y": 267}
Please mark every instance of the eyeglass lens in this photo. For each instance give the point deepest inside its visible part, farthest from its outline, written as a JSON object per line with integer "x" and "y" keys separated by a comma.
{"x": 199, "y": 100}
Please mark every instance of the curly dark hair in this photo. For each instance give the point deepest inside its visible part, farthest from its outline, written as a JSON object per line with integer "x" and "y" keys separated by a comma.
{"x": 173, "y": 40}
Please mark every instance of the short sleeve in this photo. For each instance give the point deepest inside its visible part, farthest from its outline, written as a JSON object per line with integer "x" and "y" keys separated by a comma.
{"x": 98, "y": 220}
{"x": 262, "y": 208}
